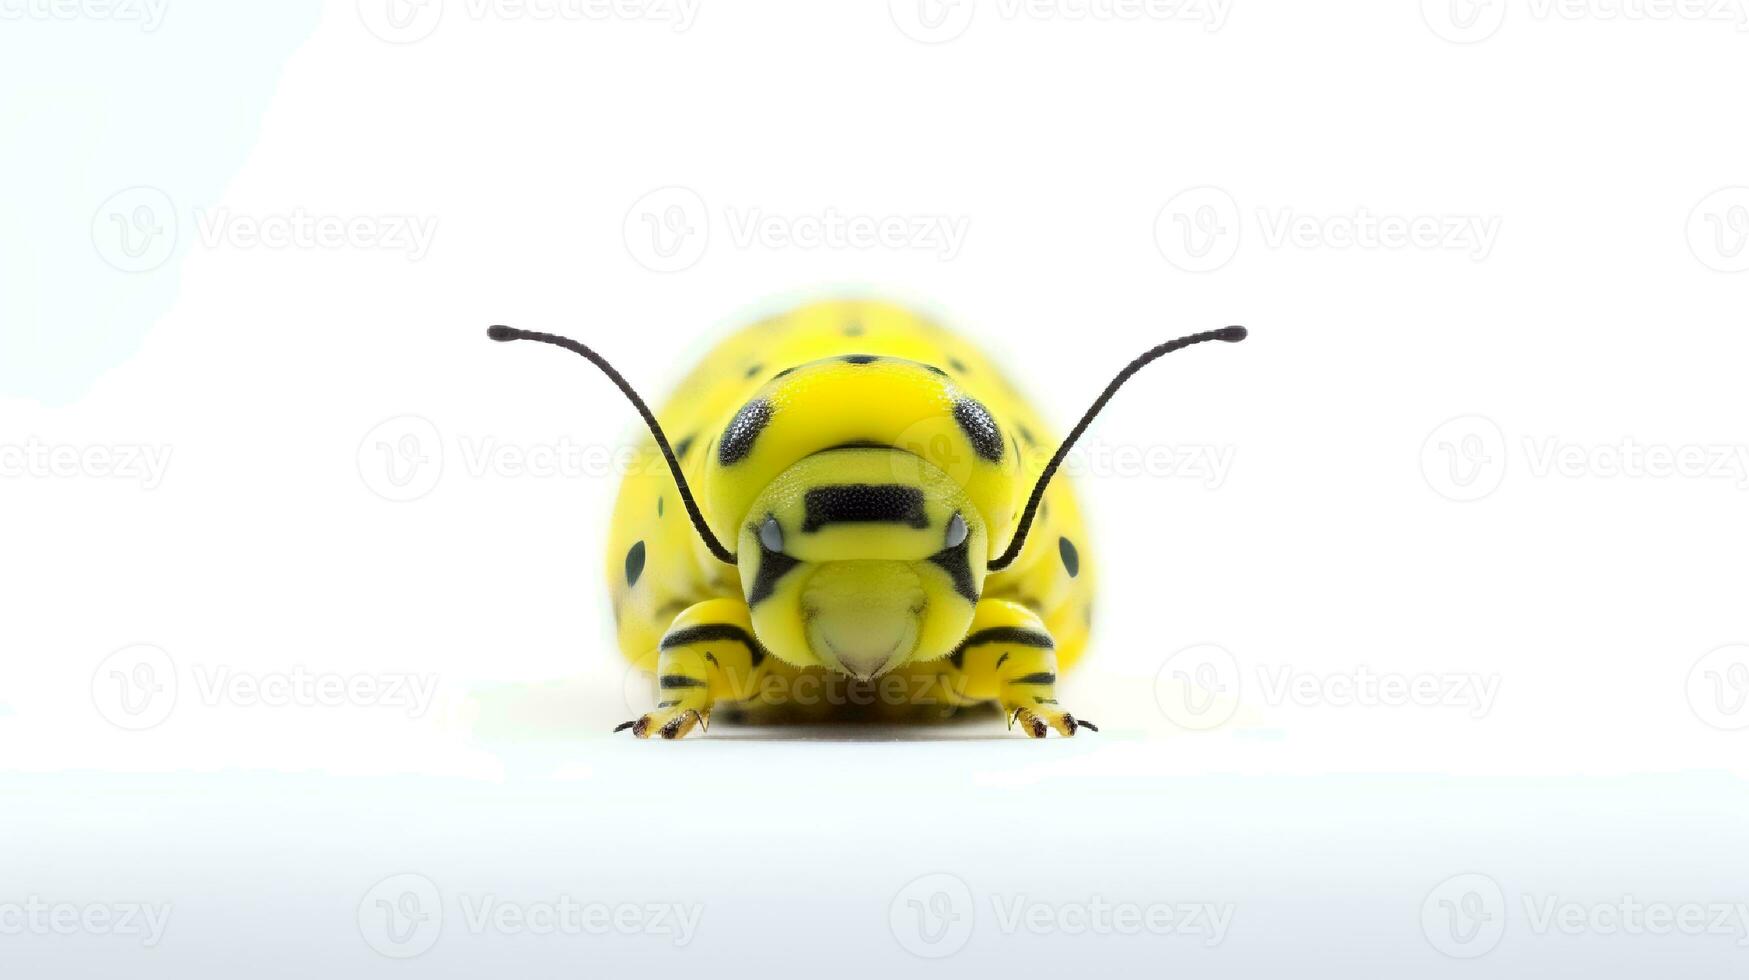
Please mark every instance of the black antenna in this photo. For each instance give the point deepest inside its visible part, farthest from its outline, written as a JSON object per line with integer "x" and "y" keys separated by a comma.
{"x": 1231, "y": 335}
{"x": 501, "y": 332}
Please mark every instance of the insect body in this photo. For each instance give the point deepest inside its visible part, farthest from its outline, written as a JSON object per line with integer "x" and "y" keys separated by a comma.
{"x": 850, "y": 493}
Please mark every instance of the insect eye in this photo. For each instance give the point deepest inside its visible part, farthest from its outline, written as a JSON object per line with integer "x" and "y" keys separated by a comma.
{"x": 770, "y": 535}
{"x": 956, "y": 531}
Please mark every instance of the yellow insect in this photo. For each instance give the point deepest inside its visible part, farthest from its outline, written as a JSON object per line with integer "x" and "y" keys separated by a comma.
{"x": 898, "y": 540}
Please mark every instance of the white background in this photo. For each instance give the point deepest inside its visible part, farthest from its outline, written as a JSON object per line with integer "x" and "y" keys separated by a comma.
{"x": 1487, "y": 442}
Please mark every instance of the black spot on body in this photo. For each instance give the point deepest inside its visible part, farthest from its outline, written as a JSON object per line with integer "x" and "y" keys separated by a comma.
{"x": 784, "y": 373}
{"x": 980, "y": 428}
{"x": 658, "y": 506}
{"x": 932, "y": 369}
{"x": 958, "y": 365}
{"x": 1026, "y": 434}
{"x": 683, "y": 445}
{"x": 859, "y": 358}
{"x": 753, "y": 371}
{"x": 634, "y": 564}
{"x": 742, "y": 430}
{"x": 1071, "y": 557}
{"x": 853, "y": 328}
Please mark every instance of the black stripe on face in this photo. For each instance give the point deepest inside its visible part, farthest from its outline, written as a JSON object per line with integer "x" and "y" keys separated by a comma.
{"x": 958, "y": 563}
{"x": 863, "y": 503}
{"x": 708, "y": 631}
{"x": 1042, "y": 677}
{"x": 773, "y": 565}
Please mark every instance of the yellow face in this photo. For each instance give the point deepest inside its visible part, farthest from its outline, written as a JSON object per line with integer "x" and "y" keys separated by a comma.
{"x": 861, "y": 559}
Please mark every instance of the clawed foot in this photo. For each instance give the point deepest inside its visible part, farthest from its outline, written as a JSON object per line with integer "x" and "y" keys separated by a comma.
{"x": 1036, "y": 723}
{"x": 667, "y": 723}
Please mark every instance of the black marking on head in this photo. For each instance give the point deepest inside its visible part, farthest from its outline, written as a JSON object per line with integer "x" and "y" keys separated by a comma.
{"x": 753, "y": 371}
{"x": 1071, "y": 557}
{"x": 958, "y": 365}
{"x": 958, "y": 563}
{"x": 634, "y": 564}
{"x": 707, "y": 632}
{"x": 745, "y": 427}
{"x": 1041, "y": 677}
{"x": 683, "y": 445}
{"x": 1000, "y": 659}
{"x": 773, "y": 565}
{"x": 979, "y": 427}
{"x": 680, "y": 680}
{"x": 863, "y": 503}
{"x": 859, "y": 358}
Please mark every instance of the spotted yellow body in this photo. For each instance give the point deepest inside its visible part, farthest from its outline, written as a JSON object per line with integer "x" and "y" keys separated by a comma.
{"x": 861, "y": 432}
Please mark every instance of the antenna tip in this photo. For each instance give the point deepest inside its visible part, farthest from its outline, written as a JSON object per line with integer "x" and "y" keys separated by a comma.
{"x": 499, "y": 331}
{"x": 1231, "y": 335}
